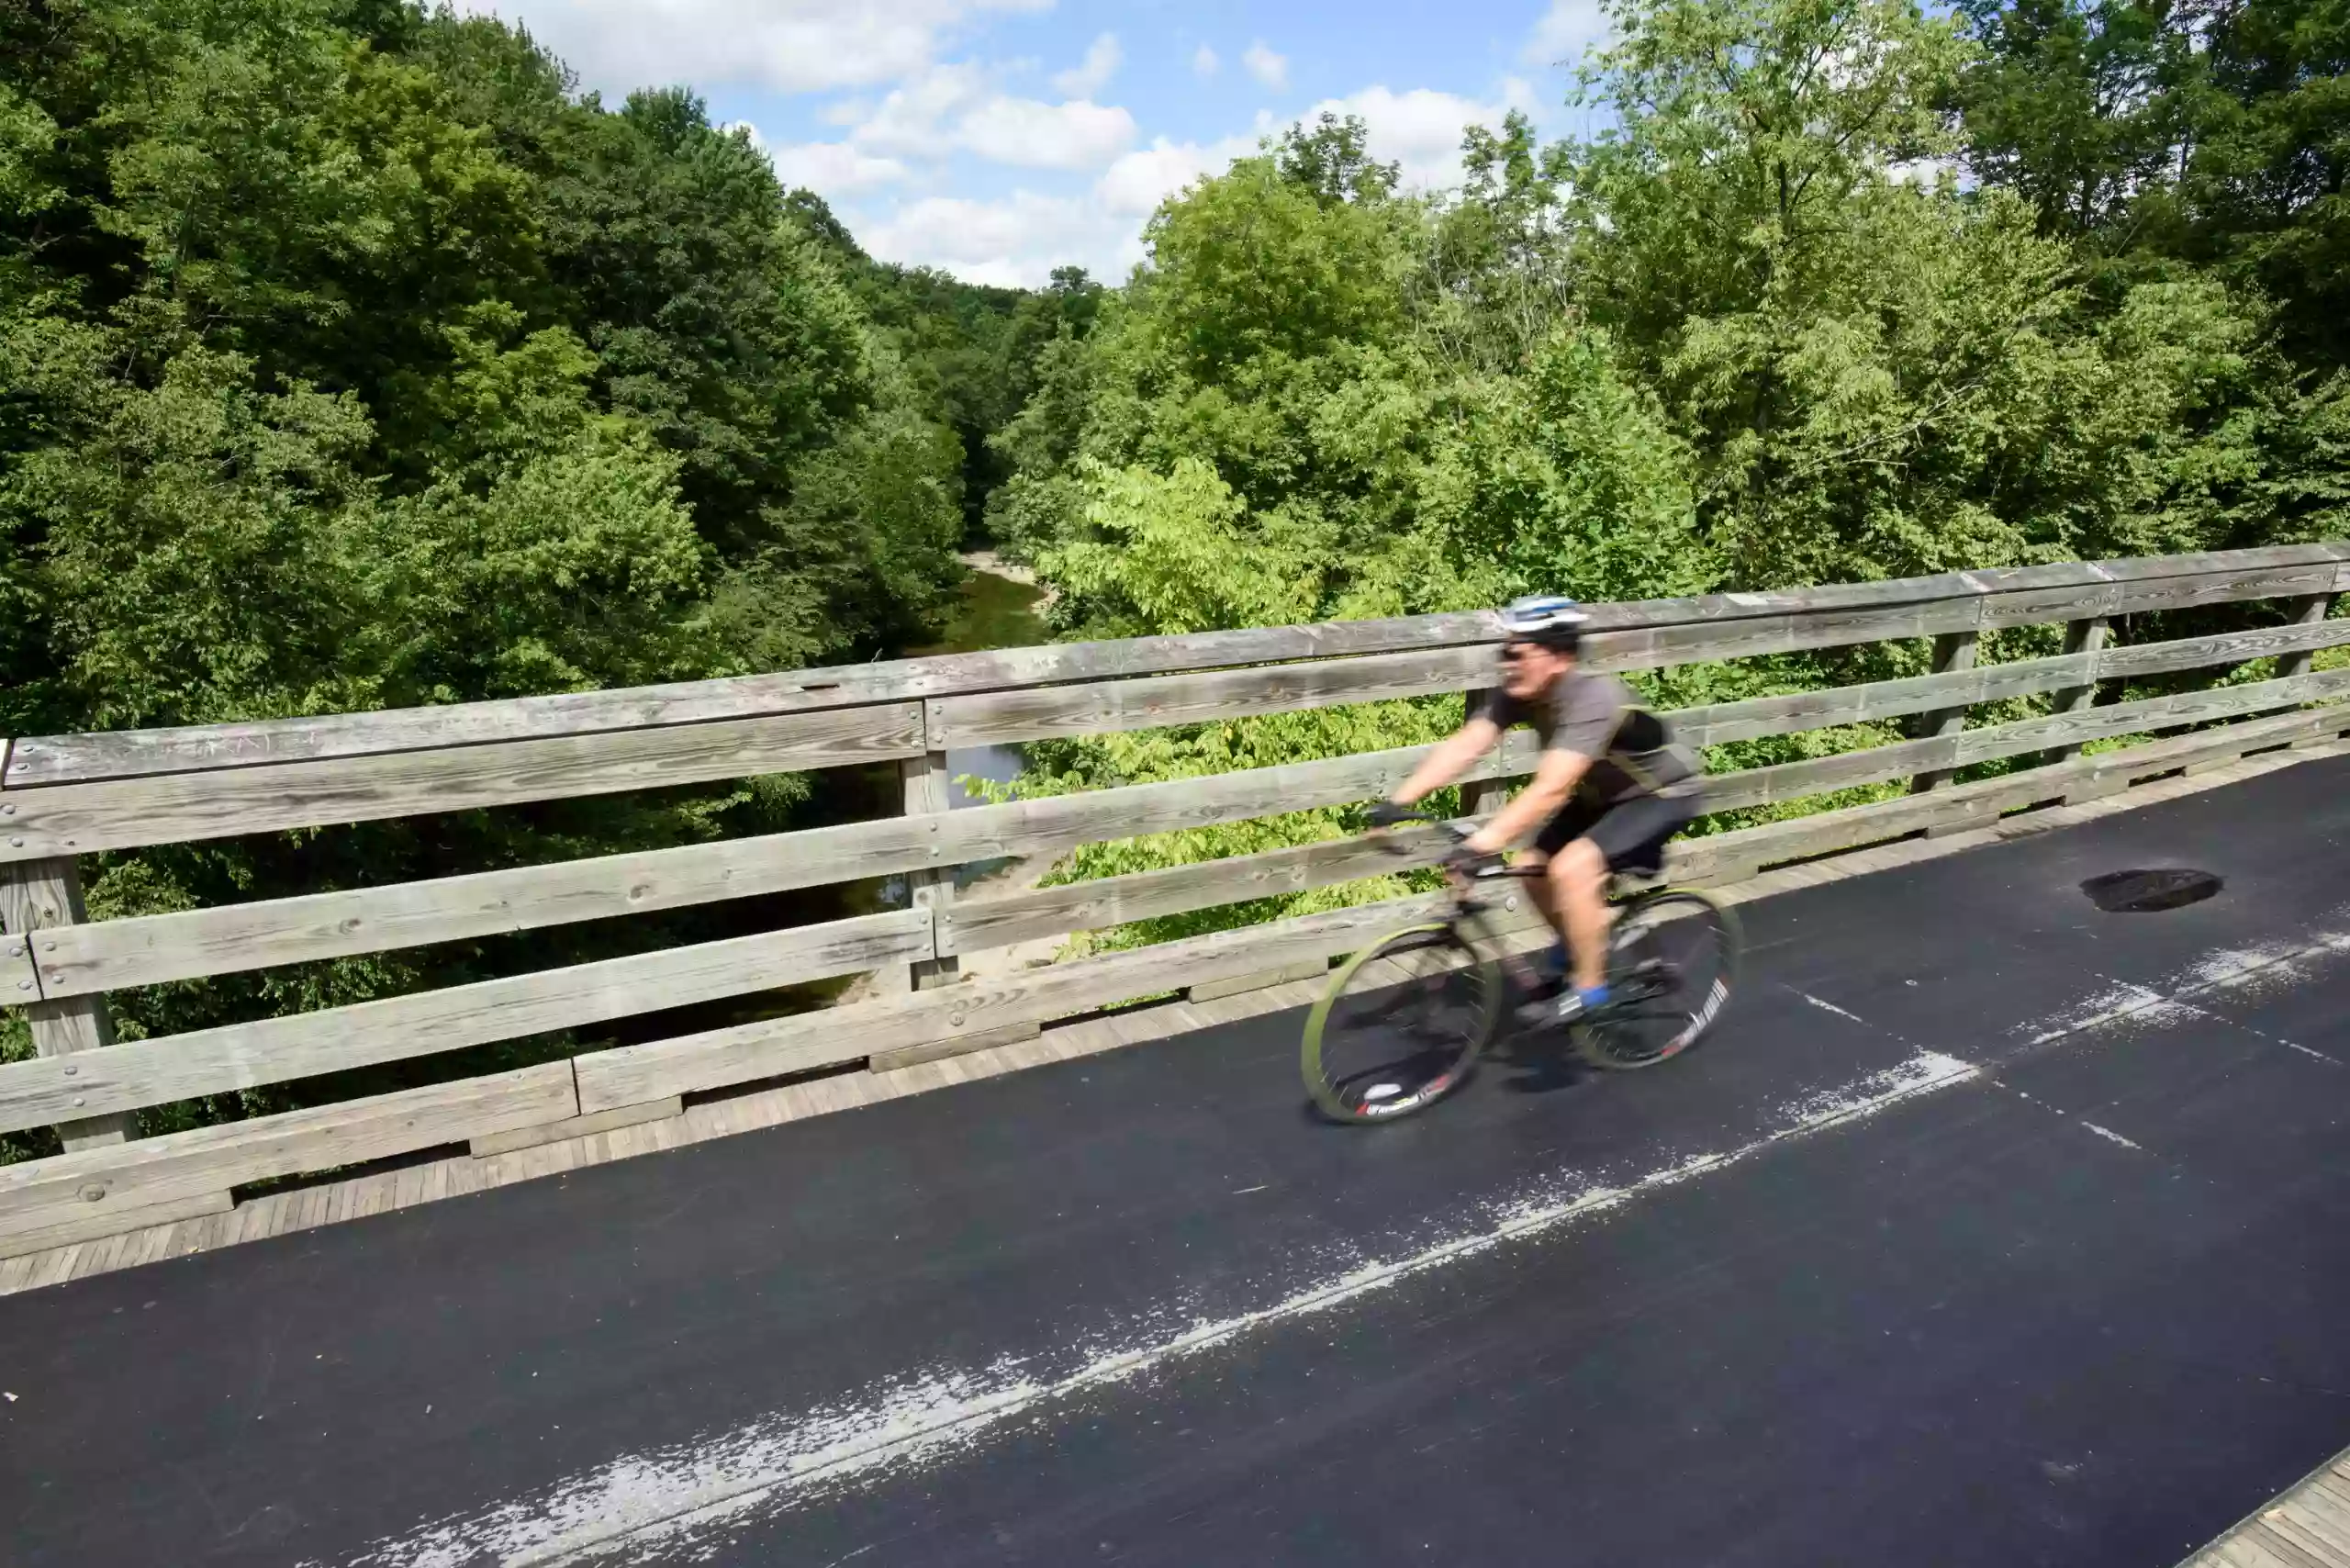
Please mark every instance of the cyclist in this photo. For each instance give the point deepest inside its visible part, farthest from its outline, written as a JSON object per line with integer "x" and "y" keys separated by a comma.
{"x": 1610, "y": 789}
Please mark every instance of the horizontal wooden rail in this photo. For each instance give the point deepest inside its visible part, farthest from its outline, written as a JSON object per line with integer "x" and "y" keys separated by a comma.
{"x": 1102, "y": 707}
{"x": 1028, "y": 915}
{"x": 2012, "y": 596}
{"x": 629, "y": 1074}
{"x": 1984, "y": 800}
{"x": 975, "y": 924}
{"x": 1818, "y": 775}
{"x": 179, "y": 808}
{"x": 113, "y": 955}
{"x": 135, "y": 1177}
{"x": 166, "y": 1067}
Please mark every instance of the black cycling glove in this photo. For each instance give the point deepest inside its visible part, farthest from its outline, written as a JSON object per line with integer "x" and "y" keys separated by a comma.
{"x": 1463, "y": 861}
{"x": 1387, "y": 814}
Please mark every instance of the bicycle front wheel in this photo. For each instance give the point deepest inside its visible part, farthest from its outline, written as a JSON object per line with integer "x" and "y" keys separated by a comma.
{"x": 1402, "y": 1025}
{"x": 1673, "y": 959}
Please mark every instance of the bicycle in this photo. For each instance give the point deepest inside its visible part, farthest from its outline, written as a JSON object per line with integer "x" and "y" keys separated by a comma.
{"x": 1425, "y": 1002}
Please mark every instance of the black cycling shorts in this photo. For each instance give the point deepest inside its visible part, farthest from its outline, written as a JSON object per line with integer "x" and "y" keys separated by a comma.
{"x": 1631, "y": 834}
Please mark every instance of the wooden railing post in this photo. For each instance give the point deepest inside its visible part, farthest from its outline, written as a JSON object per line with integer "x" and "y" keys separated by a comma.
{"x": 2305, "y": 613}
{"x": 1954, "y": 652}
{"x": 928, "y": 788}
{"x": 37, "y": 895}
{"x": 2084, "y": 636}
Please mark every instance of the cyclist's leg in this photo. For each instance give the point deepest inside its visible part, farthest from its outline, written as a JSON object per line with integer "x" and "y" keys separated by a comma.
{"x": 1572, "y": 890}
{"x": 1628, "y": 835}
{"x": 1578, "y": 880}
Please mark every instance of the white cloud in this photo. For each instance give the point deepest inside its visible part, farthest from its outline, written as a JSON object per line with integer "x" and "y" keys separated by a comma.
{"x": 1076, "y": 135}
{"x": 1420, "y": 131}
{"x": 1014, "y": 241}
{"x": 1100, "y": 63}
{"x": 833, "y": 169}
{"x": 956, "y": 108}
{"x": 1204, "y": 63}
{"x": 1138, "y": 182}
{"x": 791, "y": 46}
{"x": 1266, "y": 67}
{"x": 1566, "y": 29}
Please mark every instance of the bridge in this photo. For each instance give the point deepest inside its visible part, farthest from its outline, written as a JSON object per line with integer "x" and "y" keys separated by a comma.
{"x": 1996, "y": 1225}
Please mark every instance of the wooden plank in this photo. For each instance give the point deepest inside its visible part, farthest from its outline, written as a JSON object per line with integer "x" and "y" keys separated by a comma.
{"x": 1763, "y": 636}
{"x": 1262, "y": 980}
{"x": 36, "y": 899}
{"x": 576, "y": 1126}
{"x": 905, "y": 1057}
{"x": 116, "y": 954}
{"x": 2031, "y": 606}
{"x": 2227, "y": 586}
{"x": 1793, "y": 781}
{"x": 999, "y": 922}
{"x": 1105, "y": 707}
{"x": 747, "y": 1052}
{"x": 273, "y": 1050}
{"x": 56, "y": 759}
{"x": 1716, "y": 723}
{"x": 2201, "y": 653}
{"x": 38, "y": 1231}
{"x": 1981, "y": 802}
{"x": 78, "y": 818}
{"x": 210, "y": 1159}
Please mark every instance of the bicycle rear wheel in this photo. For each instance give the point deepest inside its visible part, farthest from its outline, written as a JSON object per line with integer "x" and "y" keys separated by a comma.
{"x": 1672, "y": 959}
{"x": 1402, "y": 1025}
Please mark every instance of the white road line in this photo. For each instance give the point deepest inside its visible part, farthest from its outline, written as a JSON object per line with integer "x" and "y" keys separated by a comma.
{"x": 1831, "y": 1007}
{"x": 641, "y": 1502}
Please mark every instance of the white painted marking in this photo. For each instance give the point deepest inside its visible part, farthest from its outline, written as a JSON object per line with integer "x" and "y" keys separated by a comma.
{"x": 1831, "y": 1007}
{"x": 2114, "y": 1003}
{"x": 1244, "y": 1191}
{"x": 2109, "y": 1134}
{"x": 671, "y": 1495}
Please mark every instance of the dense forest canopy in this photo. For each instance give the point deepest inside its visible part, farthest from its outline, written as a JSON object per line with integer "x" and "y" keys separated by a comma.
{"x": 351, "y": 356}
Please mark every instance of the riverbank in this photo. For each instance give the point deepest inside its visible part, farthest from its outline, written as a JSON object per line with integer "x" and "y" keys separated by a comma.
{"x": 1000, "y": 606}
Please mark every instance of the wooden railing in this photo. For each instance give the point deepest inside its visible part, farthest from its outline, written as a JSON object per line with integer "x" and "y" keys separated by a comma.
{"x": 63, "y": 797}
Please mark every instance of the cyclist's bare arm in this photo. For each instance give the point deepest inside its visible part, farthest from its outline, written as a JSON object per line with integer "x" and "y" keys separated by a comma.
{"x": 1555, "y": 777}
{"x": 1453, "y": 756}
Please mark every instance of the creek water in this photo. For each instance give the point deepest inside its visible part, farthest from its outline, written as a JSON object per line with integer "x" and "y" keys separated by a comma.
{"x": 993, "y": 611}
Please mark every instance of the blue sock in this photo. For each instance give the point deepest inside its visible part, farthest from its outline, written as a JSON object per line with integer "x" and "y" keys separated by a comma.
{"x": 1592, "y": 995}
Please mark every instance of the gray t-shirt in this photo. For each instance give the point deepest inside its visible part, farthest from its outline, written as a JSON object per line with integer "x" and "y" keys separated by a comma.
{"x": 1595, "y": 715}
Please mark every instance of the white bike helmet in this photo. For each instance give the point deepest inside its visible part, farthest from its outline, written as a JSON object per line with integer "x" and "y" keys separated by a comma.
{"x": 1547, "y": 619}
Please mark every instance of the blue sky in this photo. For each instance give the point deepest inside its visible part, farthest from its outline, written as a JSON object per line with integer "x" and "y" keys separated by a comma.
{"x": 998, "y": 139}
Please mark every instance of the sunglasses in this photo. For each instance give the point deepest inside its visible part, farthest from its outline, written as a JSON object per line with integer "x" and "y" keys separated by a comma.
{"x": 1517, "y": 653}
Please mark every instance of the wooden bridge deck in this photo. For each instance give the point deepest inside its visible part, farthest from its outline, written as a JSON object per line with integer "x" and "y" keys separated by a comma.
{"x": 2308, "y": 1527}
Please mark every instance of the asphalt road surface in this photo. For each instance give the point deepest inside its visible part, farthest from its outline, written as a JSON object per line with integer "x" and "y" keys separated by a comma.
{"x": 1992, "y": 1228}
